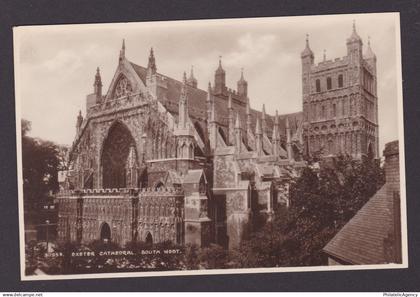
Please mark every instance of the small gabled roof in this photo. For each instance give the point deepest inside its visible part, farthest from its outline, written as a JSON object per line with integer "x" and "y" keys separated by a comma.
{"x": 173, "y": 177}
{"x": 361, "y": 240}
{"x": 194, "y": 176}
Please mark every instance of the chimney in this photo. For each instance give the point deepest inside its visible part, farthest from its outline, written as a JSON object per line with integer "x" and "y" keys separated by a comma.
{"x": 392, "y": 176}
{"x": 392, "y": 166}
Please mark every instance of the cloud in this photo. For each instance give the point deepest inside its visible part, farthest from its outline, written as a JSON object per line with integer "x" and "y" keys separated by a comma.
{"x": 251, "y": 50}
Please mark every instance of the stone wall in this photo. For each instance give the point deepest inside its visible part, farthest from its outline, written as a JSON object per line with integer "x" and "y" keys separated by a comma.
{"x": 130, "y": 215}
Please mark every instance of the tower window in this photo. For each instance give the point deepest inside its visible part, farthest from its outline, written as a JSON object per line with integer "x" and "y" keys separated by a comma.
{"x": 323, "y": 112}
{"x": 340, "y": 81}
{"x": 329, "y": 84}
{"x": 334, "y": 111}
{"x": 318, "y": 85}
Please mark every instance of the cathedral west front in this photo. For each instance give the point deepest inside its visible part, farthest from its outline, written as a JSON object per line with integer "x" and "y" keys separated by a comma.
{"x": 158, "y": 159}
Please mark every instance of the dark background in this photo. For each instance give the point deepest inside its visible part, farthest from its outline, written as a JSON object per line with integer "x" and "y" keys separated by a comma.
{"x": 38, "y": 12}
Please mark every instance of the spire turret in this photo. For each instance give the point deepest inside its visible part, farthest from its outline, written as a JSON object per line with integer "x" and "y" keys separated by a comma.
{"x": 184, "y": 79}
{"x": 354, "y": 47}
{"x": 307, "y": 52}
{"x": 369, "y": 53}
{"x": 192, "y": 81}
{"x": 231, "y": 119}
{"x": 209, "y": 92}
{"x": 237, "y": 121}
{"x": 242, "y": 85}
{"x": 258, "y": 138}
{"x": 151, "y": 65}
{"x": 276, "y": 137}
{"x": 97, "y": 86}
{"x": 213, "y": 112}
{"x": 79, "y": 121}
{"x": 263, "y": 112}
{"x": 258, "y": 127}
{"x": 122, "y": 51}
{"x": 183, "y": 131}
{"x": 288, "y": 140}
{"x": 183, "y": 105}
{"x": 307, "y": 57}
{"x": 220, "y": 68}
{"x": 248, "y": 117}
{"x": 354, "y": 36}
{"x": 209, "y": 101}
{"x": 276, "y": 127}
{"x": 220, "y": 78}
{"x": 238, "y": 133}
{"x": 263, "y": 120}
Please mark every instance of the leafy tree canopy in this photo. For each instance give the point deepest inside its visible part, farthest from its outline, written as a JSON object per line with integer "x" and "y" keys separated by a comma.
{"x": 322, "y": 200}
{"x": 40, "y": 162}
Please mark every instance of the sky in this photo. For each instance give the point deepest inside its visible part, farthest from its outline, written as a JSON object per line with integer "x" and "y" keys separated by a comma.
{"x": 56, "y": 64}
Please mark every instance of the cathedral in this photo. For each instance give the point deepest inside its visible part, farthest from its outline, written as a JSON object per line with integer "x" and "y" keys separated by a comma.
{"x": 158, "y": 159}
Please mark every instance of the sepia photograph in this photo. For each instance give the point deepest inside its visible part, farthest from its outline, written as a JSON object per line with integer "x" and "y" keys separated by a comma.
{"x": 220, "y": 146}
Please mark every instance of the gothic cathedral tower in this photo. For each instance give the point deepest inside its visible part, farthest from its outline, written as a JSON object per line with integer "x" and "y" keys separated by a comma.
{"x": 340, "y": 103}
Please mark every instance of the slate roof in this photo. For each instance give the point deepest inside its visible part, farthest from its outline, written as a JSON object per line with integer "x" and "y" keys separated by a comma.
{"x": 198, "y": 109}
{"x": 174, "y": 177}
{"x": 361, "y": 240}
{"x": 193, "y": 176}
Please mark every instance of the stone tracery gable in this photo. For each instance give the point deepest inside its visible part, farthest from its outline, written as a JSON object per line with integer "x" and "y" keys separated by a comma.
{"x": 122, "y": 87}
{"x": 124, "y": 76}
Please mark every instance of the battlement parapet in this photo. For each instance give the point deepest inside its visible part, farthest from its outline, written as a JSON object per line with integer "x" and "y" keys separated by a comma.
{"x": 328, "y": 64}
{"x": 169, "y": 191}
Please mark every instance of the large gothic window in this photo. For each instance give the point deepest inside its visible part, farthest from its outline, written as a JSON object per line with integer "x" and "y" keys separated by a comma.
{"x": 122, "y": 88}
{"x": 318, "y": 85}
{"x": 115, "y": 156}
{"x": 340, "y": 81}
{"x": 329, "y": 83}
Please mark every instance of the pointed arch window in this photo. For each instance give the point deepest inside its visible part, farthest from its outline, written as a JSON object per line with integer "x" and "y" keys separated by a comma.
{"x": 340, "y": 81}
{"x": 329, "y": 83}
{"x": 318, "y": 85}
{"x": 122, "y": 88}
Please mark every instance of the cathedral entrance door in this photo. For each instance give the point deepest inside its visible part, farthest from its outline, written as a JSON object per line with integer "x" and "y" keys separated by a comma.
{"x": 105, "y": 232}
{"x": 149, "y": 239}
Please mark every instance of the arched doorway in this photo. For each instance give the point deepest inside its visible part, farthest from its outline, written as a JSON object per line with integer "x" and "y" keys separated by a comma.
{"x": 149, "y": 239}
{"x": 105, "y": 232}
{"x": 116, "y": 149}
{"x": 159, "y": 185}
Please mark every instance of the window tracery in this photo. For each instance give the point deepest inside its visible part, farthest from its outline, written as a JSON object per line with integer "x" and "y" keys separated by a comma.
{"x": 122, "y": 88}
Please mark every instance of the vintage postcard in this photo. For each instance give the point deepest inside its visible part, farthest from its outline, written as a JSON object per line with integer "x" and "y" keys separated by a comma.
{"x": 210, "y": 146}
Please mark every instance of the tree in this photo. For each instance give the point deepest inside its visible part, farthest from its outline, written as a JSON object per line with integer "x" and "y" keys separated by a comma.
{"x": 322, "y": 200}
{"x": 264, "y": 247}
{"x": 40, "y": 163}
